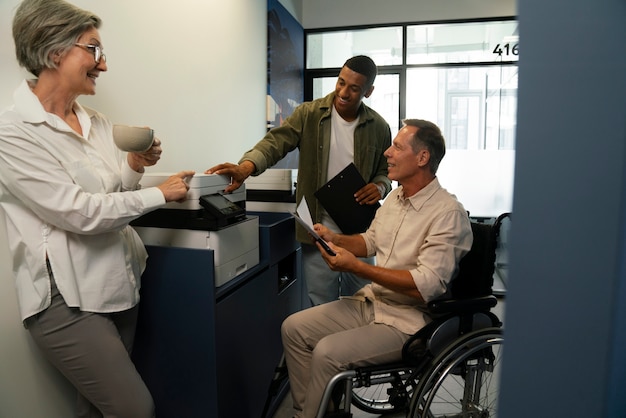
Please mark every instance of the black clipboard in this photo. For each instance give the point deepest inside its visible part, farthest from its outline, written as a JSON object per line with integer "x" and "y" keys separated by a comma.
{"x": 337, "y": 197}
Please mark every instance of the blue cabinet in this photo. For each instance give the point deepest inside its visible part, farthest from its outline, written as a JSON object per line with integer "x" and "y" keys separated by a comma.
{"x": 211, "y": 352}
{"x": 174, "y": 347}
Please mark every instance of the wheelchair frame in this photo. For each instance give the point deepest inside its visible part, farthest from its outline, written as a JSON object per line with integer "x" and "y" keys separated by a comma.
{"x": 460, "y": 347}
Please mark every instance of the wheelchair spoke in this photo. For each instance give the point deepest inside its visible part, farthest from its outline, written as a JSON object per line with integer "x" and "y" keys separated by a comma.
{"x": 464, "y": 382}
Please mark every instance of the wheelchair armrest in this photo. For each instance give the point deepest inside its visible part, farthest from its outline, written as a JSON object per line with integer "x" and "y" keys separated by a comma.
{"x": 462, "y": 305}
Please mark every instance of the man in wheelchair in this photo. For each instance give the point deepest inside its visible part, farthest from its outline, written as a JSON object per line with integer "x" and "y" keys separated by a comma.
{"x": 418, "y": 236}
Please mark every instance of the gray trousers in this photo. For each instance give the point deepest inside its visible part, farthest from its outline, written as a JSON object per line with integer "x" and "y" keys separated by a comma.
{"x": 323, "y": 340}
{"x": 92, "y": 352}
{"x": 323, "y": 284}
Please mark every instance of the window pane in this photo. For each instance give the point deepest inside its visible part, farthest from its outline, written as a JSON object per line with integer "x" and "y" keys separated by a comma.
{"x": 462, "y": 42}
{"x": 332, "y": 49}
{"x": 384, "y": 99}
{"x": 450, "y": 79}
{"x": 475, "y": 107}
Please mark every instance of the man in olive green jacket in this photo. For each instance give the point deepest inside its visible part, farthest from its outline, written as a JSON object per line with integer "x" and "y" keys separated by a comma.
{"x": 330, "y": 133}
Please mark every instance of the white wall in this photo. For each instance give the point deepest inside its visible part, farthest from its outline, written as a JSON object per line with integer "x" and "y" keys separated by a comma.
{"x": 194, "y": 70}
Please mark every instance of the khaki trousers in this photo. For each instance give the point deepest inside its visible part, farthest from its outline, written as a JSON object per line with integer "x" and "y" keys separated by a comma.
{"x": 323, "y": 340}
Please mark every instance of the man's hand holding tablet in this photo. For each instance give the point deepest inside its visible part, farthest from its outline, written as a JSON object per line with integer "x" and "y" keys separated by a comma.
{"x": 303, "y": 217}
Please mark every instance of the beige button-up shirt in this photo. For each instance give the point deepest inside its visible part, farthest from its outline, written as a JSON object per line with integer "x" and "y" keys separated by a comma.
{"x": 426, "y": 234}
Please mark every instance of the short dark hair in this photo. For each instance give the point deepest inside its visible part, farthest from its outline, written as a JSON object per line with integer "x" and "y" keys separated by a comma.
{"x": 363, "y": 65}
{"x": 42, "y": 28}
{"x": 428, "y": 135}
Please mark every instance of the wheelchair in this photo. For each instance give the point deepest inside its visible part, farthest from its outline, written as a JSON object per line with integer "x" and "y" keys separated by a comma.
{"x": 449, "y": 368}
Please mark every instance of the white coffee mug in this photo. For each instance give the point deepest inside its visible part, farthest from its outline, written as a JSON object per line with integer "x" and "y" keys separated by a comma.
{"x": 133, "y": 138}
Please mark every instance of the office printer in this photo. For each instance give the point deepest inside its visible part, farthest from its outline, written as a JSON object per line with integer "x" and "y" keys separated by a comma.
{"x": 208, "y": 219}
{"x": 274, "y": 190}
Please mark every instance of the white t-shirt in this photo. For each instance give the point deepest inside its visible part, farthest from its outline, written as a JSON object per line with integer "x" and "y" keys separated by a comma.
{"x": 341, "y": 153}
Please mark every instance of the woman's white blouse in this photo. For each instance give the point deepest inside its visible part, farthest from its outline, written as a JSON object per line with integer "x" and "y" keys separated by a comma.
{"x": 70, "y": 198}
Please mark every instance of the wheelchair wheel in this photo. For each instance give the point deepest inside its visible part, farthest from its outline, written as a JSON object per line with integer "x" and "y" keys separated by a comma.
{"x": 463, "y": 381}
{"x": 387, "y": 392}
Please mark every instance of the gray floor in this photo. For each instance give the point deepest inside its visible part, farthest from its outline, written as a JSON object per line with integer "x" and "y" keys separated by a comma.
{"x": 286, "y": 411}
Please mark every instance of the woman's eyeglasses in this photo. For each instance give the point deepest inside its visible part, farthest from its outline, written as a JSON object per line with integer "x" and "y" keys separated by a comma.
{"x": 96, "y": 50}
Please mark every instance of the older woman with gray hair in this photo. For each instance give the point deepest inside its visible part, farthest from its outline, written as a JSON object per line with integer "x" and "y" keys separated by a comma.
{"x": 68, "y": 195}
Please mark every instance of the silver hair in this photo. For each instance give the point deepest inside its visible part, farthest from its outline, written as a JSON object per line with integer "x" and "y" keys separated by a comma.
{"x": 45, "y": 29}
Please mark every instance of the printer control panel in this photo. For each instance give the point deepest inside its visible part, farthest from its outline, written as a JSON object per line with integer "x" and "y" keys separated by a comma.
{"x": 220, "y": 207}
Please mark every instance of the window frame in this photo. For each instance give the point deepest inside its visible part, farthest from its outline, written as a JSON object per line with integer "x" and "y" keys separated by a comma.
{"x": 311, "y": 73}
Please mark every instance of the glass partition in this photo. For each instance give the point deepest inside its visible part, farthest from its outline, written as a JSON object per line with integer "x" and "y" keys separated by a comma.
{"x": 462, "y": 42}
{"x": 331, "y": 49}
{"x": 460, "y": 75}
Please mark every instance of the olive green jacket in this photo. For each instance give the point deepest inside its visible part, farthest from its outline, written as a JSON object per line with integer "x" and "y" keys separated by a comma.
{"x": 308, "y": 129}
